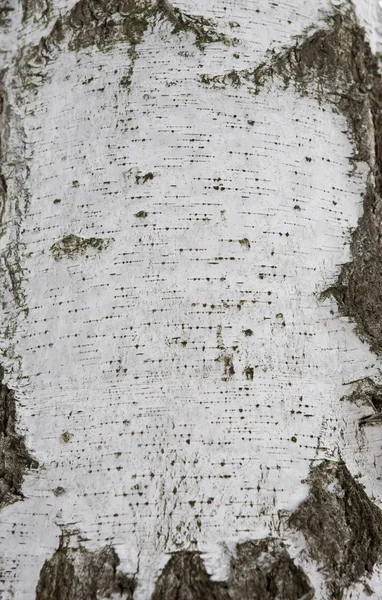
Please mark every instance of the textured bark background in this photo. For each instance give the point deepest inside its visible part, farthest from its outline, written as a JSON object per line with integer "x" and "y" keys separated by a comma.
{"x": 191, "y": 326}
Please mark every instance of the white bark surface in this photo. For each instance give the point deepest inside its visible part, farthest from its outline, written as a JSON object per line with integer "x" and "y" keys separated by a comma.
{"x": 179, "y": 382}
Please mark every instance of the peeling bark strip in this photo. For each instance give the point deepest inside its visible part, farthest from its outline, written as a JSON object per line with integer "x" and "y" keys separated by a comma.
{"x": 262, "y": 570}
{"x": 77, "y": 574}
{"x": 336, "y": 65}
{"x": 14, "y": 456}
{"x": 342, "y": 526}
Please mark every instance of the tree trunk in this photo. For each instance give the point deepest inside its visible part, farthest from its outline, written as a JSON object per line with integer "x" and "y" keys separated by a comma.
{"x": 191, "y": 266}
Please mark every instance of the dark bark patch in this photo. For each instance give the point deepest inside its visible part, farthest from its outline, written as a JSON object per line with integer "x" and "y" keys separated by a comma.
{"x": 343, "y": 528}
{"x": 15, "y": 459}
{"x": 185, "y": 578}
{"x": 262, "y": 570}
{"x": 77, "y": 574}
{"x": 102, "y": 24}
{"x": 72, "y": 246}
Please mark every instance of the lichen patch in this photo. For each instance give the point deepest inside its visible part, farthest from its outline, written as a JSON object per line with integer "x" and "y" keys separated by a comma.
{"x": 72, "y": 246}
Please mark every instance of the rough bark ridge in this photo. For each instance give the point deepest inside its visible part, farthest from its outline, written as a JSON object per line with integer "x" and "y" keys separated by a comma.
{"x": 343, "y": 528}
{"x": 336, "y": 65}
{"x": 262, "y": 570}
{"x": 14, "y": 456}
{"x": 76, "y": 574}
{"x": 102, "y": 24}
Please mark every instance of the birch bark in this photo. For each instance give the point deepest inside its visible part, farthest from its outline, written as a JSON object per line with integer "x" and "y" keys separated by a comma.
{"x": 191, "y": 324}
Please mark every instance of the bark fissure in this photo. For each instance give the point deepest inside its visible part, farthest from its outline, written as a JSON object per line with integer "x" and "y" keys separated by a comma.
{"x": 15, "y": 459}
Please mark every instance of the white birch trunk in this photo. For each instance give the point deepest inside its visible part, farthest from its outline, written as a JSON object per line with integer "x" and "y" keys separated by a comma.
{"x": 166, "y": 238}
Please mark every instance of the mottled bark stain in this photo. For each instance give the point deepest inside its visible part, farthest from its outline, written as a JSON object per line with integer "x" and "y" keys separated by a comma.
{"x": 343, "y": 528}
{"x": 77, "y": 574}
{"x": 72, "y": 246}
{"x": 336, "y": 65}
{"x": 262, "y": 570}
{"x": 15, "y": 459}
